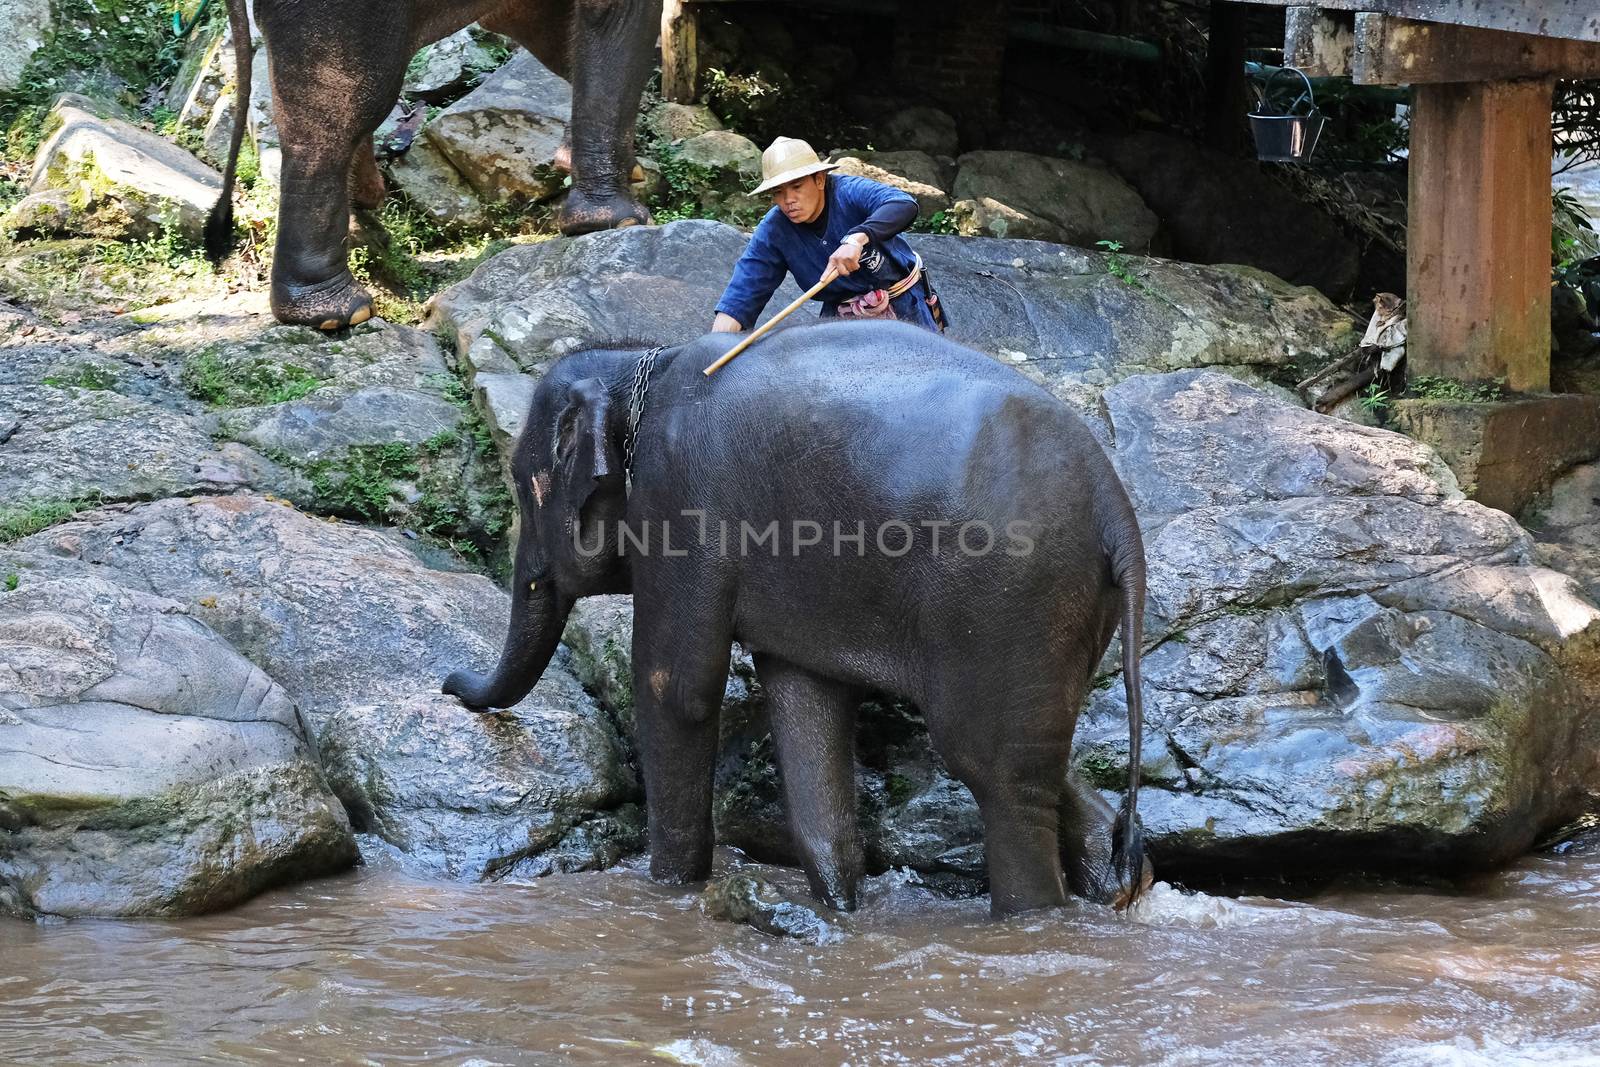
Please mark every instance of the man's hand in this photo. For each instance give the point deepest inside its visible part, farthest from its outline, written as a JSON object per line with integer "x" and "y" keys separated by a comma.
{"x": 726, "y": 324}
{"x": 846, "y": 259}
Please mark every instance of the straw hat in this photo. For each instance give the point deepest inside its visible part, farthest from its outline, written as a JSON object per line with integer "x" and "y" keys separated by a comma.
{"x": 787, "y": 159}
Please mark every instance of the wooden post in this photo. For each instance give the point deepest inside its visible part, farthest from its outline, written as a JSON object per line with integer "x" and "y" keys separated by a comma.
{"x": 1478, "y": 232}
{"x": 680, "y": 62}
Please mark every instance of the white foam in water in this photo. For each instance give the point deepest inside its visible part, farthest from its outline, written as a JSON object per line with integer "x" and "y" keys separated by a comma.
{"x": 1491, "y": 1052}
{"x": 700, "y": 1053}
{"x": 1164, "y": 905}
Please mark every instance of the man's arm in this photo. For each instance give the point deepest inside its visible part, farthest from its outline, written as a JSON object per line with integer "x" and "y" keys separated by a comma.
{"x": 756, "y": 277}
{"x": 889, "y": 211}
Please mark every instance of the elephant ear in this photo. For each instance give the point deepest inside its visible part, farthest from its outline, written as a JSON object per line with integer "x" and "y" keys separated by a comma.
{"x": 584, "y": 453}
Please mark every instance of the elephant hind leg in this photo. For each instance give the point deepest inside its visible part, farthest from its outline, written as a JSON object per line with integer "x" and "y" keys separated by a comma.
{"x": 1011, "y": 745}
{"x": 333, "y": 81}
{"x": 543, "y": 27}
{"x": 813, "y": 730}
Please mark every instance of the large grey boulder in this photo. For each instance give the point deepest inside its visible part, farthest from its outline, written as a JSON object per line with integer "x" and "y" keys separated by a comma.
{"x": 360, "y": 633}
{"x": 1217, "y": 208}
{"x": 1021, "y": 195}
{"x": 679, "y": 122}
{"x": 121, "y": 181}
{"x": 1058, "y": 314}
{"x": 27, "y": 27}
{"x": 146, "y": 768}
{"x": 504, "y": 136}
{"x": 1347, "y": 665}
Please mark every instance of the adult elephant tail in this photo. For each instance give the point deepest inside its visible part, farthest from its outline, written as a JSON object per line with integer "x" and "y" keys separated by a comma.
{"x": 1125, "y": 548}
{"x": 219, "y": 224}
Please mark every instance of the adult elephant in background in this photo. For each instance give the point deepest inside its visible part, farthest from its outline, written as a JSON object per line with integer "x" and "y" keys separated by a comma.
{"x": 337, "y": 69}
{"x": 866, "y": 507}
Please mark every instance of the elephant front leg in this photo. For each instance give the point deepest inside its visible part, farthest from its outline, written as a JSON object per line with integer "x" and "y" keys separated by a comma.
{"x": 680, "y": 669}
{"x": 611, "y": 62}
{"x": 813, "y": 730}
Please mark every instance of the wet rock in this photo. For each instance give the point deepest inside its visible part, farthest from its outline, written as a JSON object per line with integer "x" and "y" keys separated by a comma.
{"x": 1058, "y": 314}
{"x": 145, "y": 767}
{"x": 921, "y": 129}
{"x": 27, "y": 28}
{"x": 1021, "y": 195}
{"x": 913, "y": 172}
{"x": 360, "y": 633}
{"x": 679, "y": 122}
{"x": 741, "y": 897}
{"x": 121, "y": 181}
{"x": 1346, "y": 663}
{"x": 477, "y": 795}
{"x": 503, "y": 137}
{"x": 1216, "y": 208}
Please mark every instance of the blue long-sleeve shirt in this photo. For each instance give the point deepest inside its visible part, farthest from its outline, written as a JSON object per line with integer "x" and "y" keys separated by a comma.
{"x": 779, "y": 247}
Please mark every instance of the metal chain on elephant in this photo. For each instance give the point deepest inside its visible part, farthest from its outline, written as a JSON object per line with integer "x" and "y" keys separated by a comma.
{"x": 641, "y": 387}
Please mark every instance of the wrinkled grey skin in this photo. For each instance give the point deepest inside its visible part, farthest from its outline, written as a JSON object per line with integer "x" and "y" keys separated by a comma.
{"x": 846, "y": 423}
{"x": 337, "y": 69}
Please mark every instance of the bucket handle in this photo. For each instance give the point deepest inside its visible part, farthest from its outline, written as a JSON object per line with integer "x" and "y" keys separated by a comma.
{"x": 1263, "y": 106}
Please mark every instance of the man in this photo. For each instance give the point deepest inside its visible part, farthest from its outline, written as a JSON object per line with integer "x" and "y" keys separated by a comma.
{"x": 820, "y": 221}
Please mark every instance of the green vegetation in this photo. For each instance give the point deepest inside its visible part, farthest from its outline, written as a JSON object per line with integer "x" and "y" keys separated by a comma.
{"x": 11, "y": 582}
{"x": 1375, "y": 400}
{"x": 942, "y": 222}
{"x": 88, "y": 376}
{"x": 30, "y": 516}
{"x": 361, "y": 482}
{"x": 1426, "y": 387}
{"x": 683, "y": 182}
{"x": 110, "y": 47}
{"x": 222, "y": 384}
{"x": 1117, "y": 264}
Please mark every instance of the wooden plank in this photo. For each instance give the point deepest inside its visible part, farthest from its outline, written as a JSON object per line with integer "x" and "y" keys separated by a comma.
{"x": 1104, "y": 44}
{"x": 1478, "y": 233}
{"x": 1397, "y": 51}
{"x": 1322, "y": 43}
{"x": 680, "y": 59}
{"x": 1576, "y": 19}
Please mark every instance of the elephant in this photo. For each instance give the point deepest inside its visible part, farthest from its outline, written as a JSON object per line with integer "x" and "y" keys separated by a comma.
{"x": 823, "y": 500}
{"x": 337, "y": 68}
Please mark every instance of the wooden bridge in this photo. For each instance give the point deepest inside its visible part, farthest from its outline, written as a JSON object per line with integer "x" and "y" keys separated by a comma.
{"x": 1481, "y": 74}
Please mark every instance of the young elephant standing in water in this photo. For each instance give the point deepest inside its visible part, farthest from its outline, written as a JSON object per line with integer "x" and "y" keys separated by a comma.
{"x": 866, "y": 507}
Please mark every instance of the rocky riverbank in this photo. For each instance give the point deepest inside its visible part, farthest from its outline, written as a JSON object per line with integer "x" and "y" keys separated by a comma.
{"x": 236, "y": 559}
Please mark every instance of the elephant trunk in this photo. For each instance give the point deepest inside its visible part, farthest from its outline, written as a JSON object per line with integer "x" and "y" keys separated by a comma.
{"x": 538, "y": 616}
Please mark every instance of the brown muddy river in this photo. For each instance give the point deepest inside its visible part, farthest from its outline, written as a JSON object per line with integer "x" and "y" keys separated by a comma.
{"x": 381, "y": 968}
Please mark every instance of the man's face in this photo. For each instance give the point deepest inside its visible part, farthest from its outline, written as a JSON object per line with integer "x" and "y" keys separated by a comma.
{"x": 801, "y": 200}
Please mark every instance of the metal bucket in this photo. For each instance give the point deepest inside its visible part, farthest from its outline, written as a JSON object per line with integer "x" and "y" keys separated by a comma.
{"x": 1283, "y": 136}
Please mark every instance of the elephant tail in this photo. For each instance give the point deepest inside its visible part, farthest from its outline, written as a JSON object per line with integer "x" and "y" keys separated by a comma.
{"x": 219, "y": 224}
{"x": 1125, "y": 547}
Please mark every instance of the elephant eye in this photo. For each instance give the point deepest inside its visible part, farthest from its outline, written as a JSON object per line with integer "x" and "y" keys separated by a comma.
{"x": 566, "y": 434}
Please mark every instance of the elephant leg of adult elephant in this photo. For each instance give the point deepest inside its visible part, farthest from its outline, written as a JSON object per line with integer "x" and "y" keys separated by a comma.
{"x": 332, "y": 82}
{"x": 611, "y": 62}
{"x": 680, "y": 670}
{"x": 813, "y": 729}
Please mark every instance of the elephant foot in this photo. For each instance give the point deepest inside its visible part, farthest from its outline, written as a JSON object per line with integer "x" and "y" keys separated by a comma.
{"x": 584, "y": 214}
{"x": 330, "y": 305}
